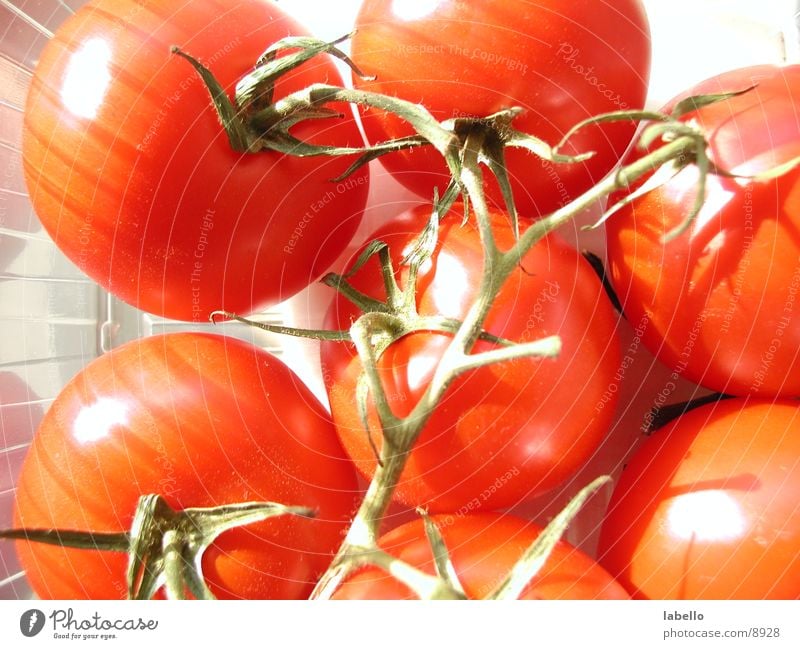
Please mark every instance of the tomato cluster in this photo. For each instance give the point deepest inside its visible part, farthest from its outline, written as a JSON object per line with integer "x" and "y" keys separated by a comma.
{"x": 471, "y": 357}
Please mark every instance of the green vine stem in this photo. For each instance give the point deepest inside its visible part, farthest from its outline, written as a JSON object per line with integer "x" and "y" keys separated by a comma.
{"x": 467, "y": 147}
{"x": 400, "y": 435}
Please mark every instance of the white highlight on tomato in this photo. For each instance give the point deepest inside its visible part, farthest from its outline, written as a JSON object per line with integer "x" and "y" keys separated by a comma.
{"x": 87, "y": 78}
{"x": 96, "y": 421}
{"x": 413, "y": 9}
{"x": 451, "y": 272}
{"x": 420, "y": 370}
{"x": 708, "y": 515}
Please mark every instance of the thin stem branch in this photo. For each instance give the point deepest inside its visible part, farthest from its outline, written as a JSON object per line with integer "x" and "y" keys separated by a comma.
{"x": 353, "y": 295}
{"x": 400, "y": 435}
{"x": 314, "y": 334}
{"x": 365, "y": 346}
{"x": 537, "y": 554}
{"x": 549, "y": 347}
{"x": 394, "y": 296}
{"x": 620, "y": 180}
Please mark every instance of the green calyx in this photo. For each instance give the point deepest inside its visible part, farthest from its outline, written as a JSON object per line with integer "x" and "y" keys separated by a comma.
{"x": 165, "y": 547}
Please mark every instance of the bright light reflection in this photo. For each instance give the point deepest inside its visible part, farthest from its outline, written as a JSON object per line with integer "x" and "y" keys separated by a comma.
{"x": 96, "y": 421}
{"x": 709, "y": 515}
{"x": 449, "y": 302}
{"x": 420, "y": 369}
{"x": 716, "y": 199}
{"x": 87, "y": 78}
{"x": 413, "y": 9}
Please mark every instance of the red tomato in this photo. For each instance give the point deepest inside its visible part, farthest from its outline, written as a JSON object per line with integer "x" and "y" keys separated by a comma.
{"x": 562, "y": 62}
{"x": 202, "y": 420}
{"x": 132, "y": 175}
{"x": 707, "y": 508}
{"x": 505, "y": 432}
{"x": 721, "y": 301}
{"x": 483, "y": 549}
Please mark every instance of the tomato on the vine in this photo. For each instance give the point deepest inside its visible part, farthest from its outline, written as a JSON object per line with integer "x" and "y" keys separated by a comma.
{"x": 561, "y": 62}
{"x": 483, "y": 549}
{"x": 721, "y": 301}
{"x": 503, "y": 432}
{"x": 133, "y": 176}
{"x": 707, "y": 508}
{"x": 202, "y": 420}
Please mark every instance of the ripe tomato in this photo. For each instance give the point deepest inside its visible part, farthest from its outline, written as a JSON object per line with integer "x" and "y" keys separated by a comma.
{"x": 202, "y": 420}
{"x": 483, "y": 549}
{"x": 707, "y": 508}
{"x": 561, "y": 62}
{"x": 132, "y": 175}
{"x": 504, "y": 432}
{"x": 721, "y": 301}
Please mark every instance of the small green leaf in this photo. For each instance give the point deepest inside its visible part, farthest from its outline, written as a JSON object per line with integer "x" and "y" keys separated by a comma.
{"x": 374, "y": 152}
{"x": 696, "y": 102}
{"x": 495, "y": 159}
{"x": 103, "y": 541}
{"x": 778, "y": 171}
{"x": 313, "y": 334}
{"x": 537, "y": 554}
{"x": 256, "y": 89}
{"x": 542, "y": 149}
{"x": 616, "y": 116}
{"x": 661, "y": 177}
{"x": 373, "y": 248}
{"x": 235, "y": 128}
{"x": 425, "y": 244}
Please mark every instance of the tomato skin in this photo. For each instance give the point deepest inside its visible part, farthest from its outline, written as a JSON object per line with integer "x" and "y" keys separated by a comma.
{"x": 560, "y": 61}
{"x": 484, "y": 549}
{"x": 202, "y": 420}
{"x": 505, "y": 432}
{"x": 707, "y": 508}
{"x": 132, "y": 174}
{"x": 722, "y": 299}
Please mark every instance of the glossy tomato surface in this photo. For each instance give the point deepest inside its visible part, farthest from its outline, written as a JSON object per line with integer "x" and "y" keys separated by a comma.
{"x": 561, "y": 61}
{"x": 722, "y": 301}
{"x": 202, "y": 420}
{"x": 505, "y": 432}
{"x": 707, "y": 507}
{"x": 132, "y": 175}
{"x": 484, "y": 549}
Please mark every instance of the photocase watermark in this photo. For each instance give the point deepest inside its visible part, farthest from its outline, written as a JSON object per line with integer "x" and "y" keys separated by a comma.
{"x": 747, "y": 246}
{"x": 628, "y": 359}
{"x": 65, "y": 625}
{"x": 571, "y": 56}
{"x": 490, "y": 58}
{"x": 558, "y": 183}
{"x": 470, "y": 53}
{"x": 784, "y": 323}
{"x": 672, "y": 383}
{"x": 536, "y": 318}
{"x": 31, "y": 622}
{"x": 318, "y": 205}
{"x": 196, "y": 275}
